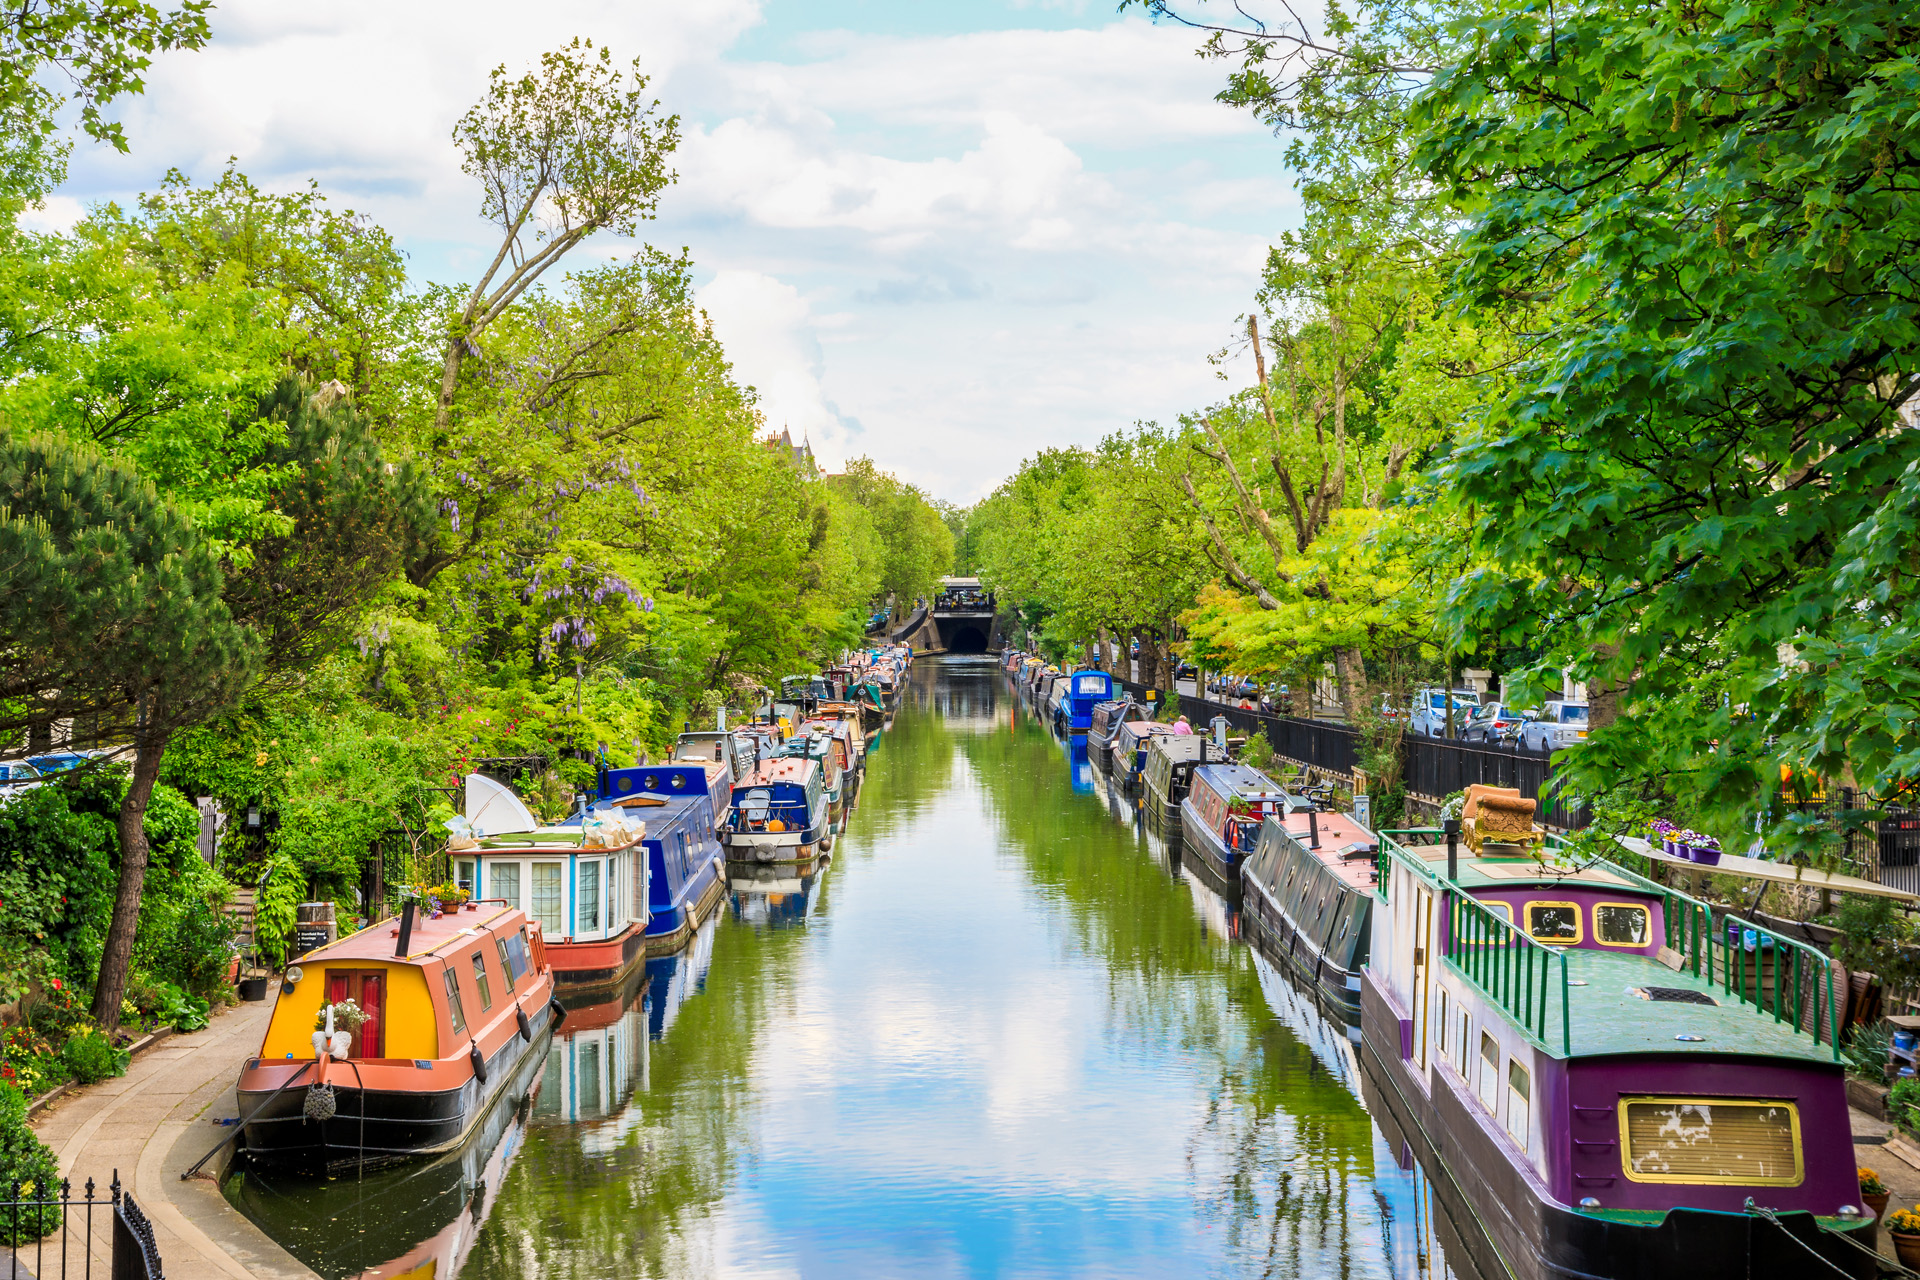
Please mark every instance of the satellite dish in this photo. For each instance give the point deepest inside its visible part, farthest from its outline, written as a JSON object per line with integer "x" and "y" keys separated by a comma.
{"x": 492, "y": 810}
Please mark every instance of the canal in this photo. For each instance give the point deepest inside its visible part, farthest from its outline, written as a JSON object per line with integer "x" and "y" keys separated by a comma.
{"x": 1002, "y": 1033}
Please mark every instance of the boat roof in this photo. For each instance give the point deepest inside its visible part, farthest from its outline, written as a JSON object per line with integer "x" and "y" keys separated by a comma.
{"x": 1242, "y": 780}
{"x": 1338, "y": 832}
{"x": 1181, "y": 746}
{"x": 377, "y": 940}
{"x": 781, "y": 769}
{"x": 1606, "y": 1015}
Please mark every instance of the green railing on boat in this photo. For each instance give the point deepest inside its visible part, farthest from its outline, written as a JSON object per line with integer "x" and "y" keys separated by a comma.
{"x": 1794, "y": 985}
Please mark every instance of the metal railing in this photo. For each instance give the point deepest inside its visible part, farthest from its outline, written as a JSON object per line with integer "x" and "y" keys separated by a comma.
{"x": 1508, "y": 967}
{"x": 51, "y": 1233}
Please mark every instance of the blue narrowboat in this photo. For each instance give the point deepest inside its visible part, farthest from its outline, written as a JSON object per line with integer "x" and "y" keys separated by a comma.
{"x": 1127, "y": 753}
{"x": 779, "y": 813}
{"x": 1073, "y": 711}
{"x": 683, "y": 851}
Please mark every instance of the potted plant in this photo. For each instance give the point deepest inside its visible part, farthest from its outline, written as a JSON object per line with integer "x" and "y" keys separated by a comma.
{"x": 1874, "y": 1192}
{"x": 1904, "y": 1226}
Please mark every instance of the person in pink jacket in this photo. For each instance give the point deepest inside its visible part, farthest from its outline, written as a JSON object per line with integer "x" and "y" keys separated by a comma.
{"x": 1181, "y": 726}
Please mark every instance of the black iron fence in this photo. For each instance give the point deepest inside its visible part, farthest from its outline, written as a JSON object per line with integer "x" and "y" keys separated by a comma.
{"x": 1434, "y": 767}
{"x": 54, "y": 1232}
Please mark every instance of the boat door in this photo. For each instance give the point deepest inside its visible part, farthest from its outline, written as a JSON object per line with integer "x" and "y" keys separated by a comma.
{"x": 1422, "y": 973}
{"x": 368, "y": 989}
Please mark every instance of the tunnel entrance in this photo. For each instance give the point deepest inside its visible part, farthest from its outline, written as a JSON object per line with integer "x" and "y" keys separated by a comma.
{"x": 966, "y": 639}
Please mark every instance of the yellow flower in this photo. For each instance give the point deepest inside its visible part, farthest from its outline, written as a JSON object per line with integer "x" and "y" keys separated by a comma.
{"x": 260, "y": 760}
{"x": 313, "y": 759}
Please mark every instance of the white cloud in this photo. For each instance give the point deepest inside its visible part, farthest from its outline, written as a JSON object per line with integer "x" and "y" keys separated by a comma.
{"x": 943, "y": 251}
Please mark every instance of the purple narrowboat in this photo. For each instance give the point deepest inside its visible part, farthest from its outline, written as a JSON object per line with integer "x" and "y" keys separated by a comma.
{"x": 1615, "y": 1081}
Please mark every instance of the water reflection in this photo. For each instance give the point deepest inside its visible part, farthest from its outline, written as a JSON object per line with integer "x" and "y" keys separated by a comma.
{"x": 1006, "y": 1035}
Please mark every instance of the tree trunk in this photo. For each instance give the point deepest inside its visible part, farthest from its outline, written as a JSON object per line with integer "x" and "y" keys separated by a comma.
{"x": 1349, "y": 670}
{"x": 150, "y": 746}
{"x": 449, "y": 382}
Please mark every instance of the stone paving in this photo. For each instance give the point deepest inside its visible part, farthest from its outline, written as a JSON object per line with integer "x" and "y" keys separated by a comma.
{"x": 153, "y": 1122}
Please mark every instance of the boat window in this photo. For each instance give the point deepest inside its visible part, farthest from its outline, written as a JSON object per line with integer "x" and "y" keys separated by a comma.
{"x": 1092, "y": 685}
{"x": 1460, "y": 1055}
{"x": 1554, "y": 922}
{"x": 613, "y": 889}
{"x": 549, "y": 898}
{"x": 1519, "y": 1104}
{"x": 1621, "y": 924}
{"x": 506, "y": 965}
{"x": 463, "y": 874}
{"x": 517, "y": 956}
{"x": 1446, "y": 1024}
{"x": 458, "y": 1014}
{"x": 587, "y": 903}
{"x": 505, "y": 878}
{"x": 1700, "y": 1140}
{"x": 1489, "y": 1083}
{"x": 481, "y": 981}
{"x": 1502, "y": 909}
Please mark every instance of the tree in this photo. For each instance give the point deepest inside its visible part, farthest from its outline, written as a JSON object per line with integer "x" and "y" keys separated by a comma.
{"x": 113, "y": 612}
{"x": 559, "y": 155}
{"x": 101, "y": 48}
{"x": 916, "y": 542}
{"x": 1702, "y": 491}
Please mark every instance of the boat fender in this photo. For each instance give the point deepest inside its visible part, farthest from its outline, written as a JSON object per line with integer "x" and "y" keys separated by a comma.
{"x": 479, "y": 1061}
{"x": 559, "y": 1010}
{"x": 526, "y": 1024}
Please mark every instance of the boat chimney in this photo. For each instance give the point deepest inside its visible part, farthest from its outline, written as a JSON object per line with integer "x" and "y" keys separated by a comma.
{"x": 1313, "y": 827}
{"x": 406, "y": 929}
{"x": 1452, "y": 827}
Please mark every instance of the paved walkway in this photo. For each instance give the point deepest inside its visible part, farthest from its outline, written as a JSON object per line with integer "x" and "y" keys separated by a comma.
{"x": 153, "y": 1122}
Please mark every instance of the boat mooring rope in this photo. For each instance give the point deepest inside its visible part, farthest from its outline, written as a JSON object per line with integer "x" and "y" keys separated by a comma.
{"x": 1769, "y": 1215}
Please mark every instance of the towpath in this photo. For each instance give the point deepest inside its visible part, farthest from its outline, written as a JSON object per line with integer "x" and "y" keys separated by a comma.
{"x": 153, "y": 1122}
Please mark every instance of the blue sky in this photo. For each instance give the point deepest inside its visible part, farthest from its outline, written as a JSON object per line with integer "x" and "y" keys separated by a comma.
{"x": 942, "y": 235}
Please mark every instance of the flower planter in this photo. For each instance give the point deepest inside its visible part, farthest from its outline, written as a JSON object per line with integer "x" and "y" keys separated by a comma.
{"x": 1703, "y": 855}
{"x": 1878, "y": 1203}
{"x": 1906, "y": 1245}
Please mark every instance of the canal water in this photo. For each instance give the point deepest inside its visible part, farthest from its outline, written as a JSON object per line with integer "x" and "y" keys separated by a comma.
{"x": 1001, "y": 1033}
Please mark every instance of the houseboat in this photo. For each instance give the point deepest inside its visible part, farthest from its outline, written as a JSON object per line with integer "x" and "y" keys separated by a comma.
{"x": 1127, "y": 753}
{"x": 1085, "y": 690}
{"x": 683, "y": 847}
{"x": 1105, "y": 726}
{"x": 1610, "y": 1087}
{"x": 814, "y": 743}
{"x": 724, "y": 757}
{"x": 1220, "y": 821}
{"x": 1307, "y": 898}
{"x": 1171, "y": 760}
{"x": 585, "y": 880}
{"x": 779, "y": 813}
{"x": 453, "y": 1003}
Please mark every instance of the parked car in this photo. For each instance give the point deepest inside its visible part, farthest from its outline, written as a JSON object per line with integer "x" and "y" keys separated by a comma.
{"x": 1491, "y": 724}
{"x": 57, "y": 762}
{"x": 1430, "y": 711}
{"x": 17, "y": 776}
{"x": 1184, "y": 671}
{"x": 1560, "y": 724}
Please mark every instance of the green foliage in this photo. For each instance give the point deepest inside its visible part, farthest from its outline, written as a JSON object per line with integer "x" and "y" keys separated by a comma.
{"x": 1867, "y": 1051}
{"x": 1258, "y": 753}
{"x": 1903, "y": 1102}
{"x": 92, "y": 1057}
{"x": 1699, "y": 489}
{"x": 56, "y": 889}
{"x": 915, "y": 540}
{"x": 276, "y": 911}
{"x": 1876, "y": 936}
{"x": 27, "y": 1163}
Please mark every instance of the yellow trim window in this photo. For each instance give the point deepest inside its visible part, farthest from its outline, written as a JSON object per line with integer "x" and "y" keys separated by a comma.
{"x": 1717, "y": 1141}
{"x": 1622, "y": 924}
{"x": 1554, "y": 923}
{"x": 1489, "y": 1090}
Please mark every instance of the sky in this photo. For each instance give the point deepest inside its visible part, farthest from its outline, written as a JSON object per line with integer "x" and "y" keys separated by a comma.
{"x": 940, "y": 235}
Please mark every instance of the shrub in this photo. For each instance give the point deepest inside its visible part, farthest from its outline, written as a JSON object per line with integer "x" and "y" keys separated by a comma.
{"x": 25, "y": 1162}
{"x": 1258, "y": 753}
{"x": 1903, "y": 1101}
{"x": 92, "y": 1058}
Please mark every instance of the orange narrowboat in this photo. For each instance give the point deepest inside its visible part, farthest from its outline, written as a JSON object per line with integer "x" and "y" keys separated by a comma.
{"x": 431, "y": 1019}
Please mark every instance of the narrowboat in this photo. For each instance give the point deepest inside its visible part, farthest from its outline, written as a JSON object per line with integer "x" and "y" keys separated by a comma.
{"x": 1307, "y": 899}
{"x": 1220, "y": 821}
{"x": 1605, "y": 1074}
{"x": 1127, "y": 755}
{"x": 722, "y": 755}
{"x": 683, "y": 851}
{"x": 779, "y": 813}
{"x": 1085, "y": 689}
{"x": 586, "y": 880}
{"x": 1105, "y": 727}
{"x": 452, "y": 1004}
{"x": 1171, "y": 760}
{"x": 813, "y": 743}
